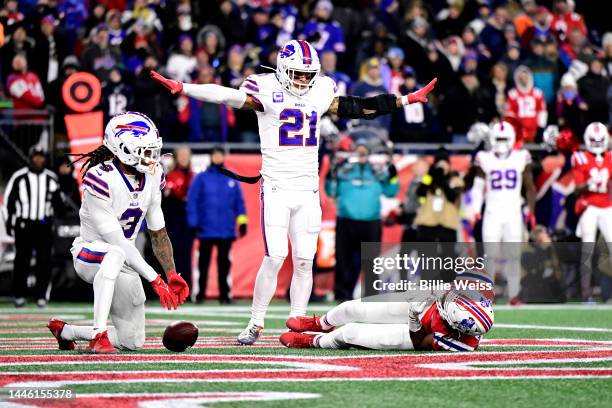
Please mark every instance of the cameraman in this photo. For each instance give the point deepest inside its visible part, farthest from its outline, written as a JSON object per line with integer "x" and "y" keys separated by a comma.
{"x": 439, "y": 193}
{"x": 357, "y": 187}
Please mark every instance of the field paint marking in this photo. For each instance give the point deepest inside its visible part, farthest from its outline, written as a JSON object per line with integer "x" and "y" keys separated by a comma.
{"x": 544, "y": 327}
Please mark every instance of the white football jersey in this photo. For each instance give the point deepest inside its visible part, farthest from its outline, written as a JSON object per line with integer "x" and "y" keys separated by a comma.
{"x": 289, "y": 129}
{"x": 131, "y": 197}
{"x": 504, "y": 178}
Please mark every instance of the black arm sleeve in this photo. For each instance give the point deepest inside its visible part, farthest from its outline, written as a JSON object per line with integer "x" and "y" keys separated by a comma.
{"x": 356, "y": 107}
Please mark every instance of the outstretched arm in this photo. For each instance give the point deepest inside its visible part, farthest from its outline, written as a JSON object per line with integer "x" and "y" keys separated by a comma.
{"x": 210, "y": 93}
{"x": 368, "y": 108}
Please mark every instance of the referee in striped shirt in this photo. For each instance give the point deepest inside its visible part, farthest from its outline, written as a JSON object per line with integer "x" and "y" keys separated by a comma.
{"x": 31, "y": 198}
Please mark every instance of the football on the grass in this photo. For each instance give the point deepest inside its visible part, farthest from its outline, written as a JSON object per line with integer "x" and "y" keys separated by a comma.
{"x": 180, "y": 335}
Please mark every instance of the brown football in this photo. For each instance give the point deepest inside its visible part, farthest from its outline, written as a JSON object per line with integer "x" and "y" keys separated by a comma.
{"x": 180, "y": 335}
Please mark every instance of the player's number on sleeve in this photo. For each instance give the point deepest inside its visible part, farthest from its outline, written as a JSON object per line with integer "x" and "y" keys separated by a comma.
{"x": 129, "y": 221}
{"x": 598, "y": 180}
{"x": 503, "y": 179}
{"x": 293, "y": 122}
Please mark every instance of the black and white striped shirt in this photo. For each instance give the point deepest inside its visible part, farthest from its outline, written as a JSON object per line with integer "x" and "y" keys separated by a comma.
{"x": 31, "y": 196}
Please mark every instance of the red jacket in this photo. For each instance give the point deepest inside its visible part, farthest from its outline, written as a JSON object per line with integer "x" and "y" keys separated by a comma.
{"x": 26, "y": 91}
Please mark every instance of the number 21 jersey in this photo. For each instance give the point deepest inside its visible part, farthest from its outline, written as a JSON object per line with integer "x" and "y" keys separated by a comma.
{"x": 289, "y": 130}
{"x": 596, "y": 174}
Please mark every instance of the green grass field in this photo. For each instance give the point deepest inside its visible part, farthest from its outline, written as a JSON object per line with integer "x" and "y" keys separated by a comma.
{"x": 545, "y": 356}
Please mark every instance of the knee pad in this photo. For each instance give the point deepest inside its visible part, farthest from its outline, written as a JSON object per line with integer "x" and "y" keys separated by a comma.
{"x": 113, "y": 261}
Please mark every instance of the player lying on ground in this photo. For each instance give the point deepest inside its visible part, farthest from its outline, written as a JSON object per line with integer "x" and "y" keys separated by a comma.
{"x": 289, "y": 105}
{"x": 122, "y": 187}
{"x": 451, "y": 321}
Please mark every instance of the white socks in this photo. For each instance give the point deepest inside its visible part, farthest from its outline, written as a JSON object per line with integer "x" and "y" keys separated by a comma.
{"x": 301, "y": 286}
{"x": 72, "y": 332}
{"x": 265, "y": 286}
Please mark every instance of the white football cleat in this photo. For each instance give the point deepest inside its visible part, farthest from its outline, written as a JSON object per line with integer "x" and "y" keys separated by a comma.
{"x": 250, "y": 335}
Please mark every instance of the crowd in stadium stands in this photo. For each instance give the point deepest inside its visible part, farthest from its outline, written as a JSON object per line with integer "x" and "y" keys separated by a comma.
{"x": 486, "y": 54}
{"x": 532, "y": 62}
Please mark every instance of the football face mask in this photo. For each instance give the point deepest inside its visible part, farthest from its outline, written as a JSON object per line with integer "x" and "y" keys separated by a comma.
{"x": 297, "y": 67}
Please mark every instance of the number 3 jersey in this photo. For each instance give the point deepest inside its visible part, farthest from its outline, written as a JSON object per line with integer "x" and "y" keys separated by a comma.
{"x": 504, "y": 178}
{"x": 125, "y": 202}
{"x": 289, "y": 129}
{"x": 596, "y": 174}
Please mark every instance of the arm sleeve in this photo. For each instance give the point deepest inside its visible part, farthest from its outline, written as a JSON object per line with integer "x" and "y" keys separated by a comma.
{"x": 132, "y": 256}
{"x": 108, "y": 226}
{"x": 216, "y": 94}
{"x": 155, "y": 215}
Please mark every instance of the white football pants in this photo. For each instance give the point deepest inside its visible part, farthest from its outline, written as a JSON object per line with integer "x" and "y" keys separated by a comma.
{"x": 592, "y": 219}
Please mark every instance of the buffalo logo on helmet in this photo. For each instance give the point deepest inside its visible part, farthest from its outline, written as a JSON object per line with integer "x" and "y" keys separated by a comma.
{"x": 467, "y": 323}
{"x": 137, "y": 128}
{"x": 287, "y": 51}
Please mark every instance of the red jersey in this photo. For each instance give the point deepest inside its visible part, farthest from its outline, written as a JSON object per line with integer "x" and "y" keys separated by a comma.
{"x": 563, "y": 24}
{"x": 444, "y": 336}
{"x": 26, "y": 91}
{"x": 596, "y": 174}
{"x": 525, "y": 108}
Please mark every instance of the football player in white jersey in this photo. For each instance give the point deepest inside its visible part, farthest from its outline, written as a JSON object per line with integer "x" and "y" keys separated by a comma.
{"x": 289, "y": 104}
{"x": 501, "y": 174}
{"x": 122, "y": 188}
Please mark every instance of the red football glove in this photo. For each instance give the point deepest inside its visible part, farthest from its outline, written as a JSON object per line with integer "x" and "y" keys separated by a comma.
{"x": 166, "y": 297}
{"x": 173, "y": 85}
{"x": 421, "y": 94}
{"x": 178, "y": 286}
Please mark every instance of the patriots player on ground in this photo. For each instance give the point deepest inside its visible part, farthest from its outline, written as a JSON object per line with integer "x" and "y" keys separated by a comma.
{"x": 591, "y": 171}
{"x": 122, "y": 188}
{"x": 289, "y": 105}
{"x": 453, "y": 321}
{"x": 501, "y": 173}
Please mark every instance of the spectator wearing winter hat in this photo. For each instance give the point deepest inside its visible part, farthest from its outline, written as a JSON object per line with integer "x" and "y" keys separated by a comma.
{"x": 539, "y": 29}
{"x": 49, "y": 51}
{"x": 231, "y": 73}
{"x": 463, "y": 104}
{"x": 565, "y": 20}
{"x": 371, "y": 84}
{"x": 492, "y": 35}
{"x": 411, "y": 124}
{"x": 512, "y": 58}
{"x": 99, "y": 57}
{"x": 454, "y": 50}
{"x": 182, "y": 62}
{"x": 19, "y": 43}
{"x": 526, "y": 106}
{"x": 571, "y": 108}
{"x": 593, "y": 88}
{"x": 117, "y": 94}
{"x": 415, "y": 44}
{"x": 395, "y": 77}
{"x": 545, "y": 71}
{"x": 322, "y": 31}
{"x": 451, "y": 20}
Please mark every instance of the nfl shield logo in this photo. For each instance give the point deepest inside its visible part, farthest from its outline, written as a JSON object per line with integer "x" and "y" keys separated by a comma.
{"x": 277, "y": 97}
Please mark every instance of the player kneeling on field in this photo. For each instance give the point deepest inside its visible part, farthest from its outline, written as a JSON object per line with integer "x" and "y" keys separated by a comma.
{"x": 122, "y": 183}
{"x": 452, "y": 321}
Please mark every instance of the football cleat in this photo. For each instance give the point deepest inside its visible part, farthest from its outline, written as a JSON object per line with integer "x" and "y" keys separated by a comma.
{"x": 56, "y": 326}
{"x": 250, "y": 335}
{"x": 306, "y": 324}
{"x": 101, "y": 344}
{"x": 297, "y": 340}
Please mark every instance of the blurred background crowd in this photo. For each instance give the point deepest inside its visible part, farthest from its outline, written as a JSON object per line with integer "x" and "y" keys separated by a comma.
{"x": 533, "y": 63}
{"x": 474, "y": 47}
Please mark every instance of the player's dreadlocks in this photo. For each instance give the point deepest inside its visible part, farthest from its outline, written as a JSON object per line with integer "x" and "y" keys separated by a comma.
{"x": 94, "y": 157}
